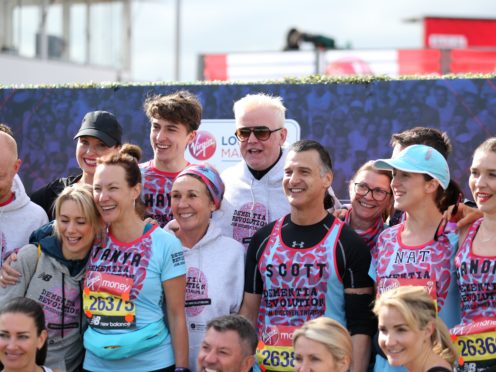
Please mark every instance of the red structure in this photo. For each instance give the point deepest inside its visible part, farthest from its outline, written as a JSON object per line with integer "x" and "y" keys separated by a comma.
{"x": 454, "y": 33}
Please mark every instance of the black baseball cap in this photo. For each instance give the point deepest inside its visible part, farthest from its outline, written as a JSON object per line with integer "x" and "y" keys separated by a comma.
{"x": 102, "y": 125}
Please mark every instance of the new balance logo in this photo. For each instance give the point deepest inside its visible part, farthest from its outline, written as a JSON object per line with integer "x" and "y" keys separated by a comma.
{"x": 45, "y": 277}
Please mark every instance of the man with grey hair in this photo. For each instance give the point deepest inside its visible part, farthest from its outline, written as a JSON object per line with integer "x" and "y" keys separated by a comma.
{"x": 254, "y": 195}
{"x": 229, "y": 345}
{"x": 18, "y": 215}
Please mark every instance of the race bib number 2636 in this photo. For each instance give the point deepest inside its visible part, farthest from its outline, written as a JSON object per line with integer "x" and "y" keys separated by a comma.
{"x": 477, "y": 347}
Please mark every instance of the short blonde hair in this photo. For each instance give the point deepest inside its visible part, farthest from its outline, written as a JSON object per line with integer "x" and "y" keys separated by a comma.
{"x": 419, "y": 309}
{"x": 252, "y": 101}
{"x": 329, "y": 333}
{"x": 82, "y": 195}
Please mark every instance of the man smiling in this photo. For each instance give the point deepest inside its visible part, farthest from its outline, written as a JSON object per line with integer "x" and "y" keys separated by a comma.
{"x": 228, "y": 346}
{"x": 307, "y": 264}
{"x": 174, "y": 120}
{"x": 253, "y": 195}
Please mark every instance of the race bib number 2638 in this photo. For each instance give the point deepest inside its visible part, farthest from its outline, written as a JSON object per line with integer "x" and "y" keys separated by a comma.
{"x": 276, "y": 358}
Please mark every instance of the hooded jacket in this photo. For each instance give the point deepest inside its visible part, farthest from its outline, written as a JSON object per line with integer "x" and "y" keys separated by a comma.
{"x": 214, "y": 283}
{"x": 55, "y": 283}
{"x": 18, "y": 219}
{"x": 45, "y": 196}
{"x": 250, "y": 204}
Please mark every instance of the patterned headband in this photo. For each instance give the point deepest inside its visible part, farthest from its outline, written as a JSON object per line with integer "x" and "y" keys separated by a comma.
{"x": 210, "y": 177}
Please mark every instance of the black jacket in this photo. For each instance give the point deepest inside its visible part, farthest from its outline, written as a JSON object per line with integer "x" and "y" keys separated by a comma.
{"x": 46, "y": 195}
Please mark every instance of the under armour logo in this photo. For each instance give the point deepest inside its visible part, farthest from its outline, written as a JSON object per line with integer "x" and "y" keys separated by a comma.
{"x": 45, "y": 277}
{"x": 299, "y": 245}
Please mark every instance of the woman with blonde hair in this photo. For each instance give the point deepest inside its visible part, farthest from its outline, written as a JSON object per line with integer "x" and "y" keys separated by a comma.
{"x": 53, "y": 273}
{"x": 322, "y": 345}
{"x": 410, "y": 332}
{"x": 475, "y": 263}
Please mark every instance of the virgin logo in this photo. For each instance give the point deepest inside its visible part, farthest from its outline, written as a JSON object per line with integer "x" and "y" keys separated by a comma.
{"x": 270, "y": 335}
{"x": 93, "y": 281}
{"x": 387, "y": 285}
{"x": 204, "y": 146}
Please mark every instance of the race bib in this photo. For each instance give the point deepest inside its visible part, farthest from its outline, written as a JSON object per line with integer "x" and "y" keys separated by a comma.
{"x": 476, "y": 345}
{"x": 107, "y": 311}
{"x": 275, "y": 350}
{"x": 106, "y": 301}
{"x": 386, "y": 284}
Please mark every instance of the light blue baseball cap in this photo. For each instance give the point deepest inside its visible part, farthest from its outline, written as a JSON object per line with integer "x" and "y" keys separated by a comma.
{"x": 419, "y": 159}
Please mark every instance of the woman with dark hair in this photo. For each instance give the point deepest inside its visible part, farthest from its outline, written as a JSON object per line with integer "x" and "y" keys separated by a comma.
{"x": 100, "y": 133}
{"x": 23, "y": 336}
{"x": 371, "y": 202}
{"x": 129, "y": 277}
{"x": 417, "y": 251}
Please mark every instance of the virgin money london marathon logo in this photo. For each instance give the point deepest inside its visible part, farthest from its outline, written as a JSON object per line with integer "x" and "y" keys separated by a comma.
{"x": 204, "y": 146}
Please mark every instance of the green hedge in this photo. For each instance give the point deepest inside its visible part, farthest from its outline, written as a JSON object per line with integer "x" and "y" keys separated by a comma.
{"x": 311, "y": 79}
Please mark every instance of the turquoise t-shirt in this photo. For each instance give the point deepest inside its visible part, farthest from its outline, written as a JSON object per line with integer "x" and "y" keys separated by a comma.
{"x": 155, "y": 257}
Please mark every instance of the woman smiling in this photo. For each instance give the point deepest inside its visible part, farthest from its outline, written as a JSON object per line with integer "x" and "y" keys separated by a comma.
{"x": 23, "y": 336}
{"x": 410, "y": 332}
{"x": 215, "y": 263}
{"x": 418, "y": 251}
{"x": 371, "y": 202}
{"x": 128, "y": 277}
{"x": 476, "y": 266}
{"x": 53, "y": 272}
{"x": 100, "y": 133}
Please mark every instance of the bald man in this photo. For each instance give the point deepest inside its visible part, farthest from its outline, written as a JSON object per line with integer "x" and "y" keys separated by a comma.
{"x": 18, "y": 215}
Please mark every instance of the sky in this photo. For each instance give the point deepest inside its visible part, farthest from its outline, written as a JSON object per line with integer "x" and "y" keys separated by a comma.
{"x": 221, "y": 26}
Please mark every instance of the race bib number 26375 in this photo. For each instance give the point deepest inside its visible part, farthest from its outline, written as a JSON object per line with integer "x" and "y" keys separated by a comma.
{"x": 107, "y": 311}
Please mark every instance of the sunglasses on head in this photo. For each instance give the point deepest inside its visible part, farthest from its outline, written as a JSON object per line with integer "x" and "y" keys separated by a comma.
{"x": 261, "y": 133}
